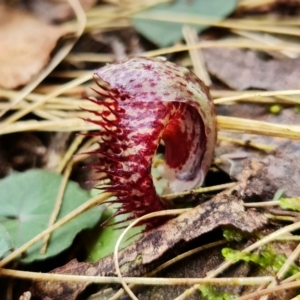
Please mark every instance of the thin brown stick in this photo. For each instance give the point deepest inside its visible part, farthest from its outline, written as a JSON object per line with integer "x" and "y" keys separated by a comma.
{"x": 57, "y": 206}
{"x": 135, "y": 280}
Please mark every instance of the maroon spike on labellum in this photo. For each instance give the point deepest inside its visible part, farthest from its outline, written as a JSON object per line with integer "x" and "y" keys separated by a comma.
{"x": 145, "y": 101}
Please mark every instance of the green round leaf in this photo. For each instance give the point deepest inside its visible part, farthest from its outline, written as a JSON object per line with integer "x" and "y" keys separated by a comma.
{"x": 165, "y": 33}
{"x": 27, "y": 200}
{"x": 5, "y": 241}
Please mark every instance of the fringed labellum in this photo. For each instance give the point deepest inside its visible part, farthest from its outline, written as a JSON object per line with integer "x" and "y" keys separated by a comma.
{"x": 144, "y": 101}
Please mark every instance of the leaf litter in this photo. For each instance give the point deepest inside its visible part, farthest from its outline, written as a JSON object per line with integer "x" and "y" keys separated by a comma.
{"x": 259, "y": 178}
{"x": 24, "y": 51}
{"x": 241, "y": 70}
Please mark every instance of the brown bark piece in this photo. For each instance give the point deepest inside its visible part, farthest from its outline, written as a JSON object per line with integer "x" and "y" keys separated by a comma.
{"x": 262, "y": 178}
{"x": 224, "y": 209}
{"x": 242, "y": 70}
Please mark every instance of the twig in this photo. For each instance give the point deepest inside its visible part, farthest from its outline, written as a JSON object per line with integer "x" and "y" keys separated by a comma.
{"x": 136, "y": 280}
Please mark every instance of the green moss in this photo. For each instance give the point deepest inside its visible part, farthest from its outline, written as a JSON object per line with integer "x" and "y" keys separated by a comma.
{"x": 210, "y": 293}
{"x": 233, "y": 235}
{"x": 267, "y": 258}
{"x": 290, "y": 203}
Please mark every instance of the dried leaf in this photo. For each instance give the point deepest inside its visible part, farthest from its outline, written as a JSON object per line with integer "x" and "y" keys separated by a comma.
{"x": 224, "y": 209}
{"x": 261, "y": 179}
{"x": 242, "y": 70}
{"x": 26, "y": 44}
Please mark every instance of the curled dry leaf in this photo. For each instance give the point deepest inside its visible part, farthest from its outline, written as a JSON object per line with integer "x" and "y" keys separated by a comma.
{"x": 26, "y": 44}
{"x": 242, "y": 70}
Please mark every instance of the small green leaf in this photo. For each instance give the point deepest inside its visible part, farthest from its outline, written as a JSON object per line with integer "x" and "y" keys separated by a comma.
{"x": 164, "y": 33}
{"x": 278, "y": 194}
{"x": 101, "y": 244}
{"x": 290, "y": 203}
{"x": 27, "y": 200}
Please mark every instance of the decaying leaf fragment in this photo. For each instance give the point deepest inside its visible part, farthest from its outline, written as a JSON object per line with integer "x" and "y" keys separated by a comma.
{"x": 224, "y": 209}
{"x": 26, "y": 44}
{"x": 242, "y": 70}
{"x": 262, "y": 178}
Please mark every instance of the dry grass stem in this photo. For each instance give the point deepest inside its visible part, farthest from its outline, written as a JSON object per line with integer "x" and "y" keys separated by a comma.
{"x": 67, "y": 157}
{"x": 70, "y": 152}
{"x": 242, "y": 24}
{"x": 268, "y": 39}
{"x": 281, "y": 287}
{"x": 87, "y": 57}
{"x": 135, "y": 280}
{"x": 250, "y": 4}
{"x": 57, "y": 205}
{"x": 248, "y": 143}
{"x": 191, "y": 37}
{"x": 262, "y": 204}
{"x": 16, "y": 116}
{"x": 67, "y": 125}
{"x": 200, "y": 190}
{"x": 258, "y": 94}
{"x": 258, "y": 127}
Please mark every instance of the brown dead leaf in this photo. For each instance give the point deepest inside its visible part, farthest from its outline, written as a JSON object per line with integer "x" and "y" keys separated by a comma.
{"x": 26, "y": 44}
{"x": 231, "y": 157}
{"x": 53, "y": 10}
{"x": 262, "y": 178}
{"x": 224, "y": 209}
{"x": 242, "y": 70}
